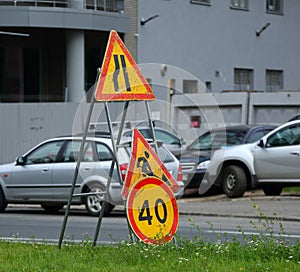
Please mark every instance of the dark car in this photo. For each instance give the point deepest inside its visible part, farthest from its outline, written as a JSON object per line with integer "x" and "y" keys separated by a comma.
{"x": 195, "y": 158}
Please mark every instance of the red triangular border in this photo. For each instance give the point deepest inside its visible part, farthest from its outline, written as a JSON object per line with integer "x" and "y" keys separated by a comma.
{"x": 138, "y": 136}
{"x": 99, "y": 96}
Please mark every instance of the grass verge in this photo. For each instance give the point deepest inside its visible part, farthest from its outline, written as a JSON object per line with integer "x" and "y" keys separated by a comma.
{"x": 180, "y": 256}
{"x": 264, "y": 252}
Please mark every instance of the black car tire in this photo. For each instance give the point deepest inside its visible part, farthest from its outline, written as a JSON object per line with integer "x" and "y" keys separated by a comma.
{"x": 272, "y": 189}
{"x": 234, "y": 181}
{"x": 52, "y": 208}
{"x": 3, "y": 203}
{"x": 94, "y": 203}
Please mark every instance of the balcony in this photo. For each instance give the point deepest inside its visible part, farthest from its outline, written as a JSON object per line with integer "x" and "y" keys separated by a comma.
{"x": 103, "y": 5}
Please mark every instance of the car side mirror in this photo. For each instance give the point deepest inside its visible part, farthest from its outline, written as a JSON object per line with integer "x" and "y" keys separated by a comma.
{"x": 261, "y": 143}
{"x": 20, "y": 160}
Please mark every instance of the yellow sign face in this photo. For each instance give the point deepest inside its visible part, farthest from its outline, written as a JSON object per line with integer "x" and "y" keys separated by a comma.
{"x": 120, "y": 78}
{"x": 144, "y": 162}
{"x": 152, "y": 211}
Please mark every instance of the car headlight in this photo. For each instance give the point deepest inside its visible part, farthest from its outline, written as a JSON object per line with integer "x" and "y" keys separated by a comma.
{"x": 203, "y": 165}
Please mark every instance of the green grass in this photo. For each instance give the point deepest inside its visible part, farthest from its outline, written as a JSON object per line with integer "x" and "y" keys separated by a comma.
{"x": 291, "y": 189}
{"x": 183, "y": 256}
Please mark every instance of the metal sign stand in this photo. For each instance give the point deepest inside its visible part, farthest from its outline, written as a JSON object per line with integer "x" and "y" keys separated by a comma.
{"x": 112, "y": 52}
{"x": 115, "y": 162}
{"x": 76, "y": 173}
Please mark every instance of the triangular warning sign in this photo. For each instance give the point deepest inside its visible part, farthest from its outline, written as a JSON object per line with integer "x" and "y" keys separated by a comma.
{"x": 120, "y": 78}
{"x": 144, "y": 162}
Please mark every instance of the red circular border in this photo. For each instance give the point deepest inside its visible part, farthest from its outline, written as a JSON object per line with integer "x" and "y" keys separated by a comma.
{"x": 134, "y": 190}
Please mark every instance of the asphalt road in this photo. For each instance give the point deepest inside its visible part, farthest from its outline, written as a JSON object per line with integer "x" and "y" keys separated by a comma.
{"x": 254, "y": 204}
{"x": 212, "y": 215}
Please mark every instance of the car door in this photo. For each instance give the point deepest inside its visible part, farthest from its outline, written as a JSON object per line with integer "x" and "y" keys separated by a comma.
{"x": 279, "y": 159}
{"x": 64, "y": 170}
{"x": 33, "y": 179}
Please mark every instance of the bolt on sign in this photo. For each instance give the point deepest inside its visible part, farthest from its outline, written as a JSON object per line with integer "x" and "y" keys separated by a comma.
{"x": 152, "y": 211}
{"x": 120, "y": 78}
{"x": 144, "y": 162}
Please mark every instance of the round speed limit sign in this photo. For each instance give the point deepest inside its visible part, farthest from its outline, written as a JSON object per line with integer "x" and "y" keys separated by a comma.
{"x": 152, "y": 211}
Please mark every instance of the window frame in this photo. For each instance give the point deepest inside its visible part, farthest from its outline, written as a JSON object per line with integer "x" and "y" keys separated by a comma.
{"x": 190, "y": 86}
{"x": 239, "y": 86}
{"x": 271, "y": 73}
{"x": 201, "y": 2}
{"x": 237, "y": 4}
{"x": 277, "y": 4}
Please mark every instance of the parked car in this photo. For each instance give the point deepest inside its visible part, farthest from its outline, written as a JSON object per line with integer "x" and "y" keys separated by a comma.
{"x": 269, "y": 163}
{"x": 170, "y": 140}
{"x": 297, "y": 117}
{"x": 44, "y": 174}
{"x": 195, "y": 158}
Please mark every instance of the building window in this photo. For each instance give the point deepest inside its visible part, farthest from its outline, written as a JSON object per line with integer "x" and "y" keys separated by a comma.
{"x": 243, "y": 79}
{"x": 239, "y": 4}
{"x": 190, "y": 86}
{"x": 203, "y": 2}
{"x": 208, "y": 86}
{"x": 274, "y": 6}
{"x": 274, "y": 80}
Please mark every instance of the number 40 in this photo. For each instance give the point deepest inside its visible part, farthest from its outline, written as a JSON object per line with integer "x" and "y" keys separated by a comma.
{"x": 145, "y": 214}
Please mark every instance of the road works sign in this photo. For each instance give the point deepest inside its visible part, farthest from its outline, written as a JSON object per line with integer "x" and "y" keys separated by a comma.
{"x": 152, "y": 211}
{"x": 144, "y": 162}
{"x": 120, "y": 78}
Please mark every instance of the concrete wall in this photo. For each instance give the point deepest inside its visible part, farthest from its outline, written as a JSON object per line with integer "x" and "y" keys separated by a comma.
{"x": 23, "y": 125}
{"x": 232, "y": 108}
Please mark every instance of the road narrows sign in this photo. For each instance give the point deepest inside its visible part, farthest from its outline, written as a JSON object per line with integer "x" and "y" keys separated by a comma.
{"x": 120, "y": 78}
{"x": 144, "y": 162}
{"x": 152, "y": 211}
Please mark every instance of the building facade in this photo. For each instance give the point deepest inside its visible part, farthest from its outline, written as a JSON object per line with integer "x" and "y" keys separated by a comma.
{"x": 229, "y": 45}
{"x": 236, "y": 57}
{"x": 50, "y": 49}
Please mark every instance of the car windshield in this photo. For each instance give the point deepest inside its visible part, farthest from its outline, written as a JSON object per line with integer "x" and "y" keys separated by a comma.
{"x": 218, "y": 139}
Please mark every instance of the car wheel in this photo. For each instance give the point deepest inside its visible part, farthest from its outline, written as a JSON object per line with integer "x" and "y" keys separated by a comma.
{"x": 272, "y": 190}
{"x": 94, "y": 203}
{"x": 3, "y": 203}
{"x": 234, "y": 181}
{"x": 52, "y": 208}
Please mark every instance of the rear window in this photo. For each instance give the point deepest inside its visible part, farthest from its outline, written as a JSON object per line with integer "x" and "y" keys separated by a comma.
{"x": 163, "y": 154}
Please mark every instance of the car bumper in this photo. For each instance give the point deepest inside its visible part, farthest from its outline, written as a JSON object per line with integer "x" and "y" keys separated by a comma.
{"x": 193, "y": 180}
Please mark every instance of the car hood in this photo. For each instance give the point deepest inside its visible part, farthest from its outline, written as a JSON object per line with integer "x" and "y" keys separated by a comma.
{"x": 232, "y": 151}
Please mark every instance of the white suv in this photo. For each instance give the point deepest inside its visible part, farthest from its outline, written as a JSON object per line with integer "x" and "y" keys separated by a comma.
{"x": 271, "y": 163}
{"x": 44, "y": 174}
